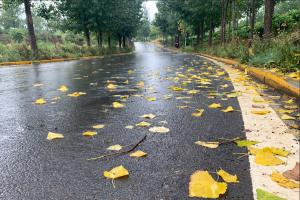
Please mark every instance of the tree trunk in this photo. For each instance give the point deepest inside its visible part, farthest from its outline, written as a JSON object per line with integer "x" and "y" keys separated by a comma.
{"x": 120, "y": 41}
{"x": 87, "y": 37}
{"x": 201, "y": 32}
{"x": 30, "y": 28}
{"x": 223, "y": 21}
{"x": 252, "y": 19}
{"x": 269, "y": 10}
{"x": 234, "y": 27}
{"x": 109, "y": 41}
{"x": 198, "y": 34}
{"x": 124, "y": 41}
{"x": 99, "y": 39}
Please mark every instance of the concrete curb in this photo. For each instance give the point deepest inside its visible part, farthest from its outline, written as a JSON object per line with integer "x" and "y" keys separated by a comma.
{"x": 58, "y": 60}
{"x": 270, "y": 78}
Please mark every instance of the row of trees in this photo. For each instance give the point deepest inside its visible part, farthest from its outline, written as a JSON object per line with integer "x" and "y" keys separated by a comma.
{"x": 203, "y": 17}
{"x": 114, "y": 19}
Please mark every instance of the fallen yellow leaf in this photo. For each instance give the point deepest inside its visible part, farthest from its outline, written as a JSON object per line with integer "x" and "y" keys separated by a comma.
{"x": 198, "y": 113}
{"x": 116, "y": 147}
{"x": 40, "y": 101}
{"x": 116, "y": 172}
{"x": 211, "y": 145}
{"x": 117, "y": 105}
{"x": 228, "y": 109}
{"x": 138, "y": 154}
{"x": 267, "y": 159}
{"x": 287, "y": 117}
{"x": 52, "y": 136}
{"x": 215, "y": 105}
{"x": 63, "y": 88}
{"x": 159, "y": 129}
{"x": 260, "y": 112}
{"x": 98, "y": 126}
{"x": 129, "y": 127}
{"x": 89, "y": 133}
{"x": 111, "y": 86}
{"x": 227, "y": 177}
{"x": 143, "y": 124}
{"x": 284, "y": 182}
{"x": 148, "y": 116}
{"x": 203, "y": 185}
{"x": 76, "y": 94}
{"x": 150, "y": 98}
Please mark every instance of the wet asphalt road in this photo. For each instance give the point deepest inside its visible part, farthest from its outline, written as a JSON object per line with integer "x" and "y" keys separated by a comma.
{"x": 34, "y": 168}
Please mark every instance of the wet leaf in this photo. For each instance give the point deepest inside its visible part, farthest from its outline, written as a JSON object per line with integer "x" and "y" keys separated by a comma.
{"x": 287, "y": 117}
{"x": 98, "y": 126}
{"x": 111, "y": 86}
{"x": 89, "y": 133}
{"x": 76, "y": 94}
{"x": 203, "y": 185}
{"x": 198, "y": 113}
{"x": 211, "y": 145}
{"x": 116, "y": 147}
{"x": 52, "y": 136}
{"x": 273, "y": 150}
{"x": 129, "y": 127}
{"x": 227, "y": 177}
{"x": 63, "y": 88}
{"x": 267, "y": 159}
{"x": 193, "y": 92}
{"x": 260, "y": 112}
{"x": 289, "y": 101}
{"x": 118, "y": 105}
{"x": 264, "y": 195}
{"x": 285, "y": 111}
{"x": 215, "y": 105}
{"x": 150, "y": 98}
{"x": 245, "y": 143}
{"x": 116, "y": 172}
{"x": 140, "y": 84}
{"x": 40, "y": 101}
{"x": 148, "y": 116}
{"x": 138, "y": 154}
{"x": 38, "y": 85}
{"x": 159, "y": 129}
{"x": 228, "y": 109}
{"x": 143, "y": 124}
{"x": 258, "y": 99}
{"x": 176, "y": 88}
{"x": 284, "y": 182}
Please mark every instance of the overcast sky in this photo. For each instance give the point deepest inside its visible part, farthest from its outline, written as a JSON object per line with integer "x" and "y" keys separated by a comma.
{"x": 152, "y": 9}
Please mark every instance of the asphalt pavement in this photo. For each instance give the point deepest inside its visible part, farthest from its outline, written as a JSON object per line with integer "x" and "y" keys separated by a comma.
{"x": 34, "y": 168}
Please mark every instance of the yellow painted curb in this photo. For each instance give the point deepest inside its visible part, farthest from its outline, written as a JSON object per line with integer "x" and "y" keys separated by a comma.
{"x": 263, "y": 75}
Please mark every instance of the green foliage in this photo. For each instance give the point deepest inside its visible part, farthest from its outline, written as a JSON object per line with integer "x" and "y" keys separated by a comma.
{"x": 16, "y": 34}
{"x": 264, "y": 195}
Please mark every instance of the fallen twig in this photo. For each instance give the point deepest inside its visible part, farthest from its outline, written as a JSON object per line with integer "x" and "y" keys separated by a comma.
{"x": 120, "y": 152}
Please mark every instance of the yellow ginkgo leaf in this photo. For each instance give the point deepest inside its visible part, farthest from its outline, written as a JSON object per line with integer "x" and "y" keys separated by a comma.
{"x": 228, "y": 109}
{"x": 150, "y": 98}
{"x": 76, "y": 94}
{"x": 40, "y": 101}
{"x": 273, "y": 150}
{"x": 138, "y": 154}
{"x": 176, "y": 88}
{"x": 215, "y": 105}
{"x": 116, "y": 172}
{"x": 287, "y": 117}
{"x": 111, "y": 86}
{"x": 258, "y": 99}
{"x": 203, "y": 185}
{"x": 289, "y": 101}
{"x": 129, "y": 127}
{"x": 89, "y": 133}
{"x": 118, "y": 105}
{"x": 211, "y": 145}
{"x": 159, "y": 129}
{"x": 260, "y": 112}
{"x": 140, "y": 84}
{"x": 267, "y": 159}
{"x": 193, "y": 92}
{"x": 283, "y": 181}
{"x": 227, "y": 177}
{"x": 38, "y": 85}
{"x": 52, "y": 136}
{"x": 116, "y": 147}
{"x": 285, "y": 111}
{"x": 63, "y": 88}
{"x": 98, "y": 126}
{"x": 148, "y": 116}
{"x": 143, "y": 124}
{"x": 198, "y": 113}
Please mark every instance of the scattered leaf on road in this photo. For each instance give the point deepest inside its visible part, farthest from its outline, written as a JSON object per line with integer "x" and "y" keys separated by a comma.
{"x": 138, "y": 154}
{"x": 148, "y": 116}
{"x": 129, "y": 127}
{"x": 287, "y": 117}
{"x": 150, "y": 98}
{"x": 98, "y": 126}
{"x": 227, "y": 177}
{"x": 203, "y": 185}
{"x": 228, "y": 109}
{"x": 245, "y": 143}
{"x": 198, "y": 113}
{"x": 211, "y": 145}
{"x": 52, "y": 136}
{"x": 260, "y": 112}
{"x": 118, "y": 105}
{"x": 284, "y": 182}
{"x": 159, "y": 129}
{"x": 267, "y": 159}
{"x": 116, "y": 172}
{"x": 143, "y": 124}
{"x": 215, "y": 105}
{"x": 63, "y": 88}
{"x": 116, "y": 147}
{"x": 89, "y": 133}
{"x": 40, "y": 101}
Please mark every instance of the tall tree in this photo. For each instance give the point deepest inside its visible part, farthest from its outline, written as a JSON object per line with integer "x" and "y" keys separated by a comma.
{"x": 30, "y": 28}
{"x": 269, "y": 11}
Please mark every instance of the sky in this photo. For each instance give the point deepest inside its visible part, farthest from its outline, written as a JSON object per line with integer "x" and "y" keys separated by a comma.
{"x": 151, "y": 8}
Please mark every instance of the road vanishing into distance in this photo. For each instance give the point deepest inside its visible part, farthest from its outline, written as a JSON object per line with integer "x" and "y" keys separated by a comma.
{"x": 34, "y": 168}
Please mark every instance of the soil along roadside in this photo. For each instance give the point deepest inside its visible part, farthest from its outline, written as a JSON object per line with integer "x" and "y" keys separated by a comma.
{"x": 16, "y": 63}
{"x": 270, "y": 78}
{"x": 270, "y": 131}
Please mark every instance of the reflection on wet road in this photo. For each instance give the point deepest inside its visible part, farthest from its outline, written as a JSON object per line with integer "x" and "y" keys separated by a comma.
{"x": 35, "y": 168}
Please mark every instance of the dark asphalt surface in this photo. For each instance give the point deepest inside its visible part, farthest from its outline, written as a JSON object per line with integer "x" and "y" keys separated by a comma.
{"x": 33, "y": 168}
